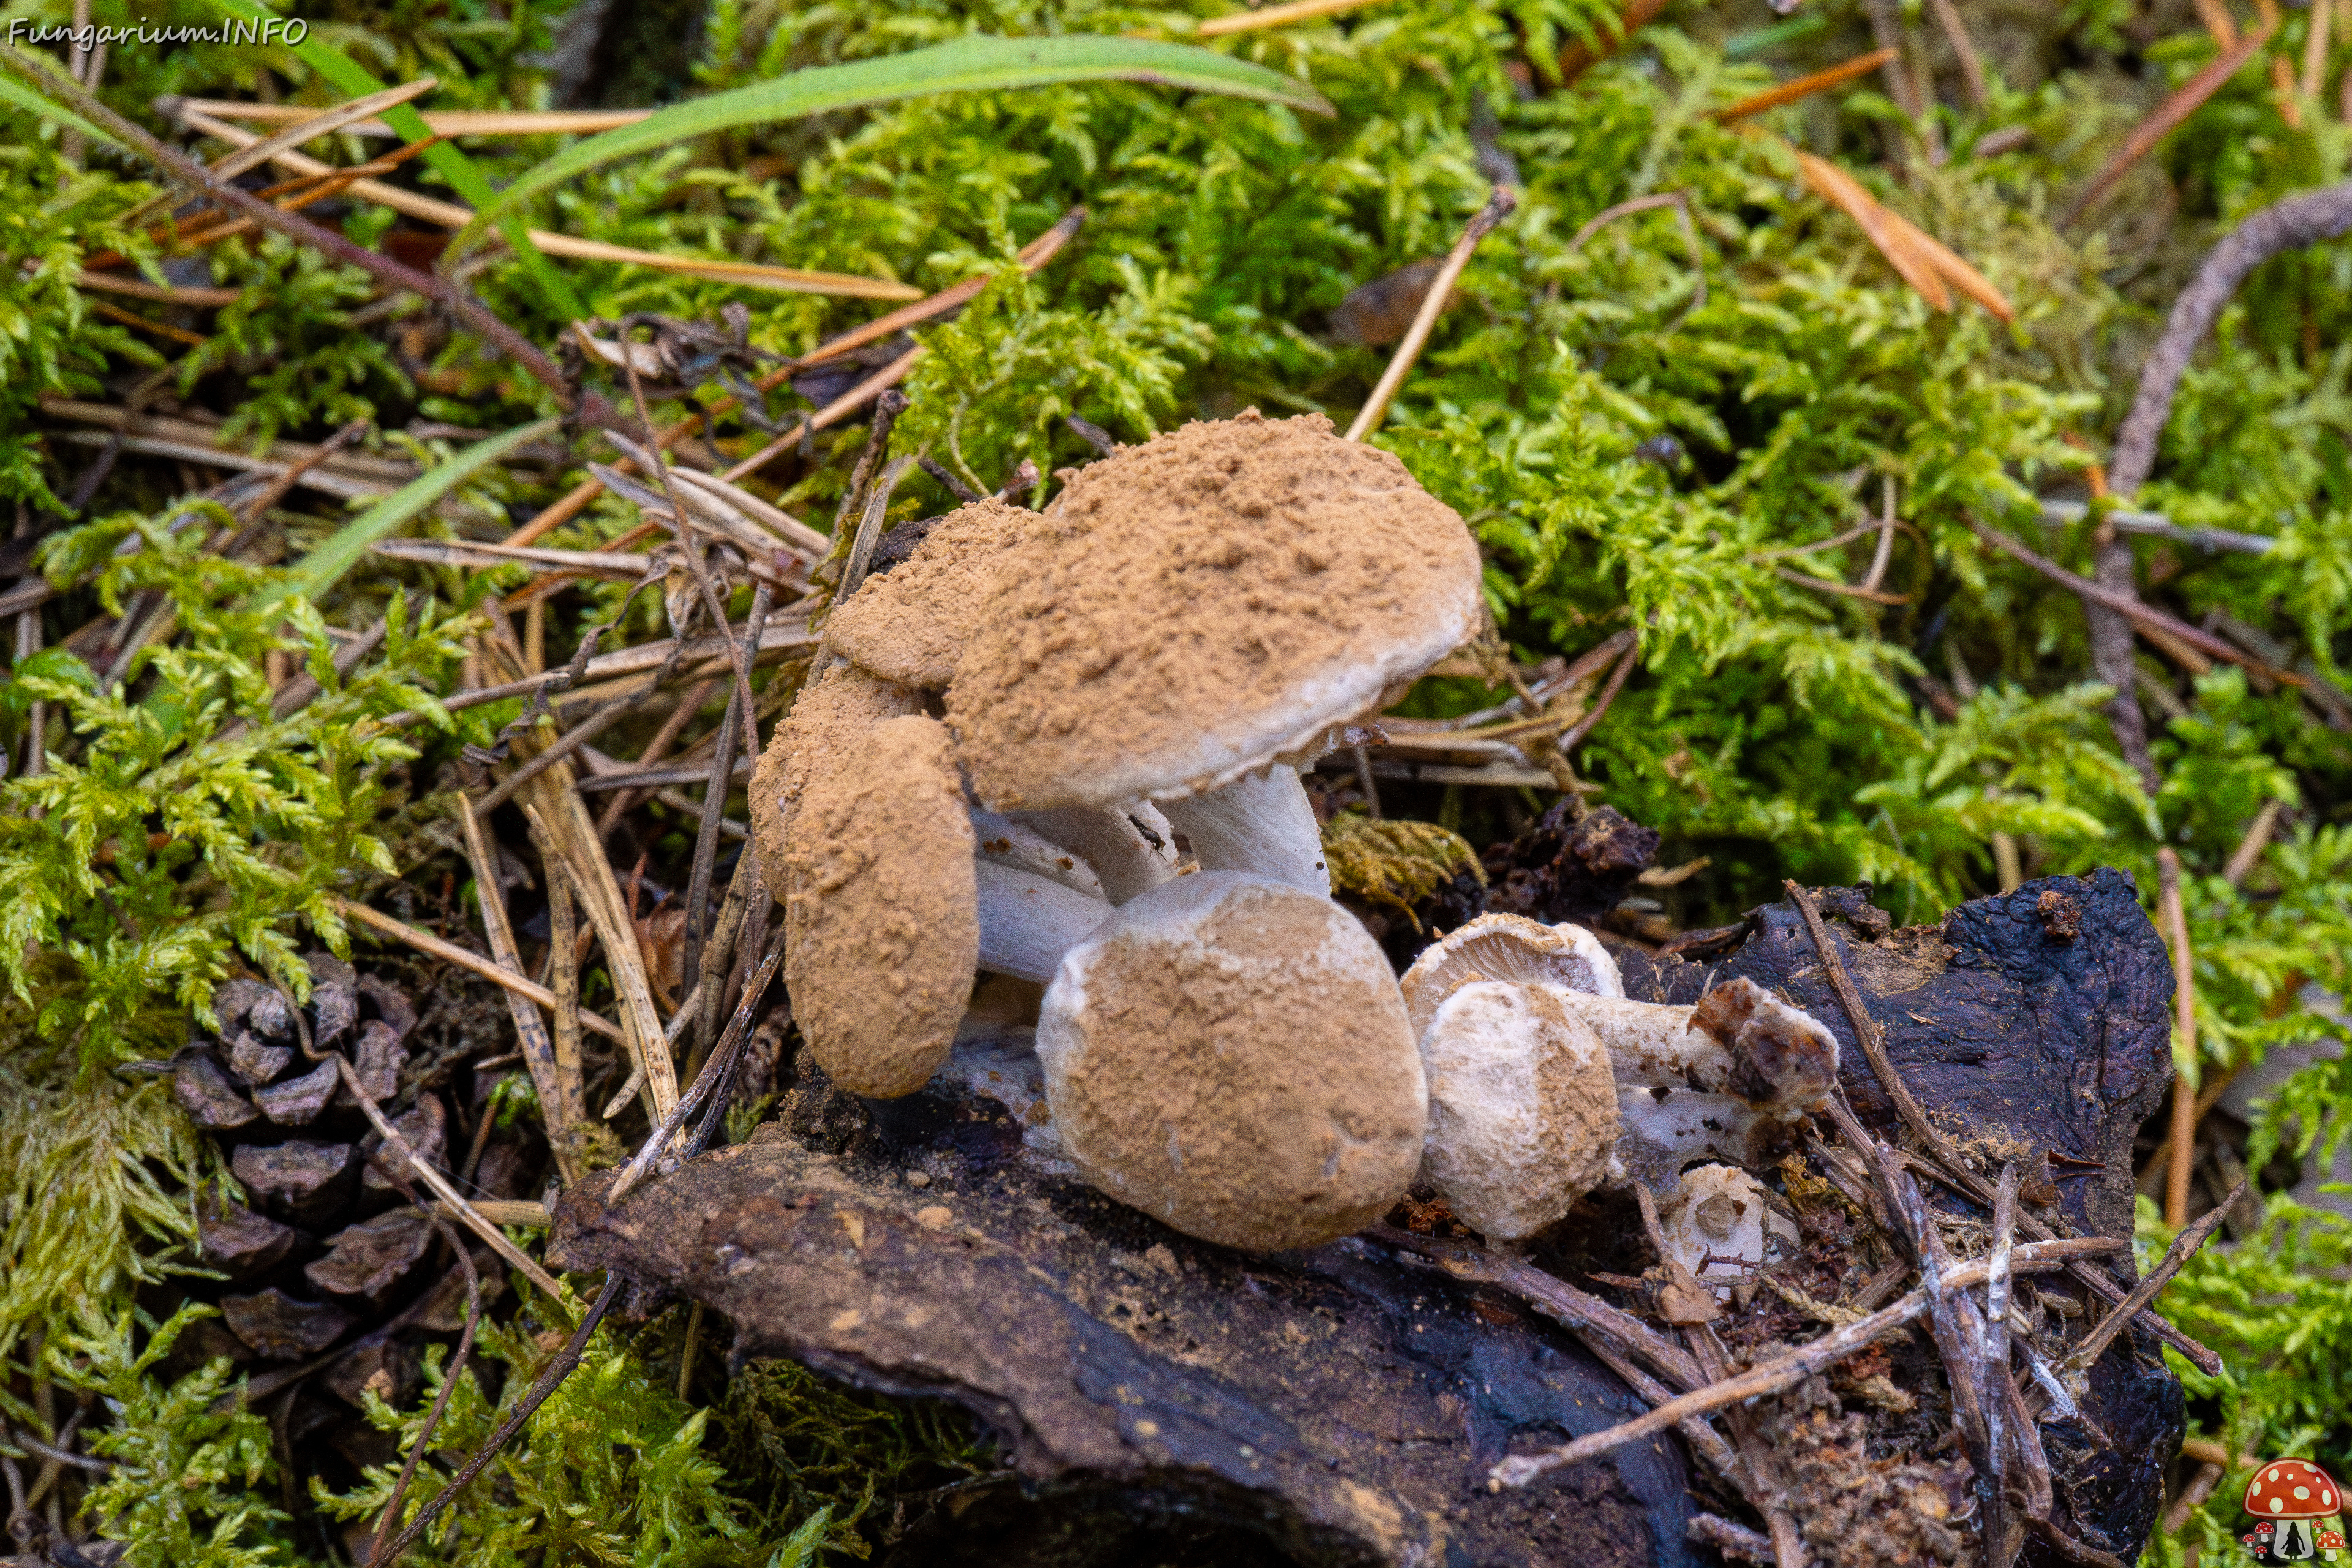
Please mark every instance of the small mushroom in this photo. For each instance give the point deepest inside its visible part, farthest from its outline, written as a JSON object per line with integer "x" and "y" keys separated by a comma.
{"x": 881, "y": 897}
{"x": 1193, "y": 615}
{"x": 1522, "y": 1108}
{"x": 1229, "y": 1054}
{"x": 829, "y": 717}
{"x": 1716, "y": 1224}
{"x": 911, "y": 624}
{"x": 1507, "y": 947}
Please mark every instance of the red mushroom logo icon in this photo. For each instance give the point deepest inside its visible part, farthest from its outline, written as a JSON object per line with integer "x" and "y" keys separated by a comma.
{"x": 2293, "y": 1495}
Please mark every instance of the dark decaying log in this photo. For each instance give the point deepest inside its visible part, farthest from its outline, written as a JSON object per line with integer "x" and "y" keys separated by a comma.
{"x": 1159, "y": 1399}
{"x": 2037, "y": 1021}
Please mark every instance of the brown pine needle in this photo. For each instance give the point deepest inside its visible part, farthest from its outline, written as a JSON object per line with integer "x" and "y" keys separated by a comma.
{"x": 1803, "y": 86}
{"x": 1498, "y": 206}
{"x": 1275, "y": 16}
{"x": 2184, "y": 101}
{"x": 1843, "y": 192}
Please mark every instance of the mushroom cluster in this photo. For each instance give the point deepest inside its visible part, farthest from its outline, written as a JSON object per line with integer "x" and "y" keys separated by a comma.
{"x": 1008, "y": 736}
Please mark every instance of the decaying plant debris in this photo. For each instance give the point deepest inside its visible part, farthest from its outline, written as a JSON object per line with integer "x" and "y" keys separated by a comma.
{"x": 553, "y": 644}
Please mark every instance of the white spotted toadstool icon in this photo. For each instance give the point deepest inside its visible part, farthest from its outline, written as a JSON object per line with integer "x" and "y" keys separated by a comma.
{"x": 2294, "y": 1495}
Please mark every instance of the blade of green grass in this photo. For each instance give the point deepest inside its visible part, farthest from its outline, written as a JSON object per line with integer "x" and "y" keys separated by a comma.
{"x": 453, "y": 167}
{"x": 966, "y": 65}
{"x": 32, "y": 102}
{"x": 340, "y": 551}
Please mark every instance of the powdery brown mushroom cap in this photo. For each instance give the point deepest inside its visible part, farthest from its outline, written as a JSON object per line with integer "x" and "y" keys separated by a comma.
{"x": 1197, "y": 607}
{"x": 1507, "y": 947}
{"x": 882, "y": 928}
{"x": 829, "y": 722}
{"x": 1229, "y": 1054}
{"x": 911, "y": 624}
{"x": 1522, "y": 1107}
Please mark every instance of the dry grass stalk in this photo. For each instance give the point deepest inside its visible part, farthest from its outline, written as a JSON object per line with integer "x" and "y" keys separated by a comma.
{"x": 556, "y": 795}
{"x": 564, "y": 968}
{"x": 1499, "y": 205}
{"x": 560, "y": 1096}
{"x": 1276, "y": 17}
{"x": 449, "y": 951}
{"x": 2249, "y": 852}
{"x": 2184, "y": 1028}
{"x": 1034, "y": 255}
{"x": 1964, "y": 49}
{"x": 440, "y": 1184}
{"x": 1803, "y": 87}
{"x": 442, "y": 122}
{"x": 449, "y": 214}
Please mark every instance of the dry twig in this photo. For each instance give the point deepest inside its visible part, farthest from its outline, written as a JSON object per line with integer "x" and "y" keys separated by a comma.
{"x": 1498, "y": 206}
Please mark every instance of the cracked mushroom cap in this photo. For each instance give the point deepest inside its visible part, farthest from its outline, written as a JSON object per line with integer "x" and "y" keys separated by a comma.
{"x": 1196, "y": 608}
{"x": 1522, "y": 1107}
{"x": 881, "y": 910}
{"x": 1229, "y": 1054}
{"x": 911, "y": 624}
{"x": 1507, "y": 947}
{"x": 829, "y": 720}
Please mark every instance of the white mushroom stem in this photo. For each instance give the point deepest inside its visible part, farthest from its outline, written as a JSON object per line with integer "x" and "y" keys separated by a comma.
{"x": 1740, "y": 1040}
{"x": 1014, "y": 842}
{"x": 1027, "y": 923}
{"x": 1118, "y": 844}
{"x": 1261, "y": 824}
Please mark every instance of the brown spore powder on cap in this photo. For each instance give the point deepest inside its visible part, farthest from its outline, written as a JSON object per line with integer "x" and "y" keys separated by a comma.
{"x": 1194, "y": 600}
{"x": 1269, "y": 1095}
{"x": 829, "y": 722}
{"x": 911, "y": 623}
{"x": 881, "y": 921}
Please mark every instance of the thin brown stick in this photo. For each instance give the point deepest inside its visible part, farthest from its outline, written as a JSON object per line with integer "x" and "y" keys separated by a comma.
{"x": 2250, "y": 848}
{"x": 1781, "y": 1372}
{"x": 440, "y": 1184}
{"x": 2184, "y": 1247}
{"x": 425, "y": 942}
{"x": 739, "y": 728}
{"x": 391, "y": 1514}
{"x": 1498, "y": 206}
{"x": 1964, "y": 49}
{"x": 1575, "y": 734}
{"x": 562, "y": 746}
{"x": 1867, "y": 1032}
{"x": 558, "y": 1093}
{"x": 1554, "y": 1298}
{"x": 2145, "y": 615}
{"x": 840, "y": 407}
{"x": 383, "y": 268}
{"x": 1731, "y": 1540}
{"x": 2184, "y": 1028}
{"x": 528, "y": 1407}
